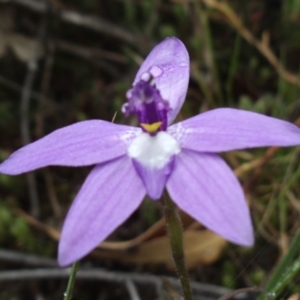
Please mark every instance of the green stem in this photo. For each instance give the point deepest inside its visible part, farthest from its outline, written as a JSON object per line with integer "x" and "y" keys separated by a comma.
{"x": 285, "y": 270}
{"x": 286, "y": 277}
{"x": 68, "y": 293}
{"x": 204, "y": 19}
{"x": 233, "y": 67}
{"x": 175, "y": 233}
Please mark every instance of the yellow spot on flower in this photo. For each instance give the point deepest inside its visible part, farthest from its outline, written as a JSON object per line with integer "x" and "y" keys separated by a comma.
{"x": 151, "y": 128}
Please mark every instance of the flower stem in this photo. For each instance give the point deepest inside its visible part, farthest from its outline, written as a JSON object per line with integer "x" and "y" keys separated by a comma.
{"x": 68, "y": 293}
{"x": 175, "y": 233}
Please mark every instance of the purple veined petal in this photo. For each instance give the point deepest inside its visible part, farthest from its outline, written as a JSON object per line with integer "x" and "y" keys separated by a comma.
{"x": 227, "y": 129}
{"x": 204, "y": 186}
{"x": 80, "y": 144}
{"x": 110, "y": 194}
{"x": 169, "y": 64}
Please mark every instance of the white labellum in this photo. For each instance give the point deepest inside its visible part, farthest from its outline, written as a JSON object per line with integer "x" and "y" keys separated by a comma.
{"x": 153, "y": 152}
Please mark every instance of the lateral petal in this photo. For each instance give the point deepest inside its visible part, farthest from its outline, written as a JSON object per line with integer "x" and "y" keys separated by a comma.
{"x": 169, "y": 64}
{"x": 203, "y": 186}
{"x": 80, "y": 144}
{"x": 110, "y": 194}
{"x": 226, "y": 129}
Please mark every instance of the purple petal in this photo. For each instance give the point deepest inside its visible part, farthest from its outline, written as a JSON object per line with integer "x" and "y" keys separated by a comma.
{"x": 227, "y": 129}
{"x": 81, "y": 144}
{"x": 111, "y": 192}
{"x": 203, "y": 186}
{"x": 169, "y": 64}
{"x": 154, "y": 179}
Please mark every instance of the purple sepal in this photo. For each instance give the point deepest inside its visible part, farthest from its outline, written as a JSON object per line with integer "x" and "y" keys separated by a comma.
{"x": 109, "y": 195}
{"x": 154, "y": 179}
{"x": 81, "y": 144}
{"x": 226, "y": 129}
{"x": 206, "y": 188}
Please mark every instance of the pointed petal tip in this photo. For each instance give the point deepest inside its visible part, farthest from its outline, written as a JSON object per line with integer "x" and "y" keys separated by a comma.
{"x": 12, "y": 167}
{"x": 92, "y": 217}
{"x": 67, "y": 259}
{"x": 154, "y": 195}
{"x": 4, "y": 170}
{"x": 247, "y": 240}
{"x": 172, "y": 41}
{"x": 64, "y": 263}
{"x": 204, "y": 186}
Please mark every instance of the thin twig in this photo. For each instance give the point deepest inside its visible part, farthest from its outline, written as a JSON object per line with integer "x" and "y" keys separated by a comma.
{"x": 104, "y": 275}
{"x": 18, "y": 88}
{"x": 76, "y": 18}
{"x": 93, "y": 273}
{"x": 134, "y": 295}
{"x": 25, "y": 103}
{"x": 234, "y": 293}
{"x": 89, "y": 53}
{"x": 26, "y": 259}
{"x": 39, "y": 132}
{"x": 261, "y": 45}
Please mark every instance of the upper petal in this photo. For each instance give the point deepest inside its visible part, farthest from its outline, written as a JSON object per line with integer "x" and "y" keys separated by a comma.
{"x": 227, "y": 129}
{"x": 111, "y": 192}
{"x": 80, "y": 144}
{"x": 169, "y": 64}
{"x": 203, "y": 186}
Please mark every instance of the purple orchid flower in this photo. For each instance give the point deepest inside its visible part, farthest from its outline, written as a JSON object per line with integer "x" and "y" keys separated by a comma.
{"x": 132, "y": 162}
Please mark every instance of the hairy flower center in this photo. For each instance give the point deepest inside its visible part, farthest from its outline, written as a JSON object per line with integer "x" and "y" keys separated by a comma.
{"x": 145, "y": 101}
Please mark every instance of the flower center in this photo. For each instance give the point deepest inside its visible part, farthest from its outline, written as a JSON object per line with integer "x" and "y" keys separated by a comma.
{"x": 153, "y": 152}
{"x": 145, "y": 101}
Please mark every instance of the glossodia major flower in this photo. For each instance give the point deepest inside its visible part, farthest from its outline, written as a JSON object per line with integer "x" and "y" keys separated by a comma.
{"x": 134, "y": 161}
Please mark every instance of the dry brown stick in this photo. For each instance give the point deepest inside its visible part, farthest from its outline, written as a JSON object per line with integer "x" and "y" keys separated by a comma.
{"x": 89, "y": 53}
{"x": 55, "y": 234}
{"x": 261, "y": 45}
{"x": 76, "y": 18}
{"x": 106, "y": 245}
{"x": 265, "y": 159}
